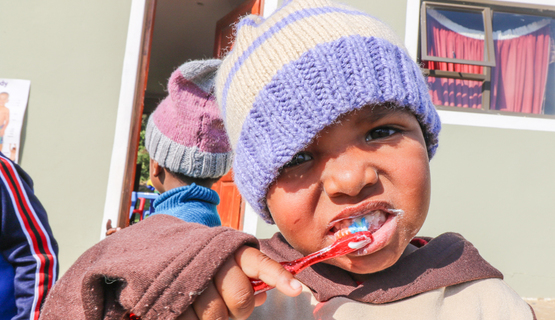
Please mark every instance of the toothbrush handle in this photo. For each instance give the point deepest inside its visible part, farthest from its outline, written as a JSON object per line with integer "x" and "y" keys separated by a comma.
{"x": 338, "y": 248}
{"x": 260, "y": 286}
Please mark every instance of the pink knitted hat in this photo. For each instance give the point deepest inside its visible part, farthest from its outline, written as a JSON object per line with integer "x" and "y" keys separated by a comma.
{"x": 185, "y": 134}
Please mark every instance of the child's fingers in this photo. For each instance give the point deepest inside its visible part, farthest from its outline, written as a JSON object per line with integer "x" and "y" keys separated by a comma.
{"x": 235, "y": 289}
{"x": 210, "y": 305}
{"x": 189, "y": 314}
{"x": 259, "y": 299}
{"x": 257, "y": 265}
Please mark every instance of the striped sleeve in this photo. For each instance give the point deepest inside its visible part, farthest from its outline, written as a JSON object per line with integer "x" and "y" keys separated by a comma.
{"x": 26, "y": 240}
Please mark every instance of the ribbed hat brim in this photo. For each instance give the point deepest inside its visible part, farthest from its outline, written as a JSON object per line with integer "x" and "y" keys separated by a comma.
{"x": 190, "y": 161}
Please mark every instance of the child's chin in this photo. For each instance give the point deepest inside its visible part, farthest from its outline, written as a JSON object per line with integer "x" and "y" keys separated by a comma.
{"x": 372, "y": 262}
{"x": 359, "y": 265}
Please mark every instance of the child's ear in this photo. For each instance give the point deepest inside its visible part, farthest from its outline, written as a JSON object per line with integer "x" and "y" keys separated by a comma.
{"x": 155, "y": 168}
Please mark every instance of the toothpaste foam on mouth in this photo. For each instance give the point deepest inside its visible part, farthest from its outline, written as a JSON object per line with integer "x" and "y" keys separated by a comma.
{"x": 370, "y": 222}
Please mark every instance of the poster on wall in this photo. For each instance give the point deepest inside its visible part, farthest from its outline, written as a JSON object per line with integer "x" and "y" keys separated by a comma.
{"x": 14, "y": 95}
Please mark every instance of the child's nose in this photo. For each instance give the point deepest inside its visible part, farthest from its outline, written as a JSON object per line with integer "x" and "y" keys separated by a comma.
{"x": 348, "y": 174}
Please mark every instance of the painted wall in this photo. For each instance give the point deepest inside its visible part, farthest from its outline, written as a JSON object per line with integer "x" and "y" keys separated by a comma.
{"x": 72, "y": 51}
{"x": 494, "y": 186}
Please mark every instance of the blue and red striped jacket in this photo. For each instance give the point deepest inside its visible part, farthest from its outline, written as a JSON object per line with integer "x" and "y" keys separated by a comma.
{"x": 29, "y": 252}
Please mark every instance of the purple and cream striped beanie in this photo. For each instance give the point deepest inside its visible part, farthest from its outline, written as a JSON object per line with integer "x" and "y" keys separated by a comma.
{"x": 185, "y": 134}
{"x": 294, "y": 73}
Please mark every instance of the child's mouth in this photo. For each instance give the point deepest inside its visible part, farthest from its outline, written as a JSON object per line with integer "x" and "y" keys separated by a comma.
{"x": 371, "y": 221}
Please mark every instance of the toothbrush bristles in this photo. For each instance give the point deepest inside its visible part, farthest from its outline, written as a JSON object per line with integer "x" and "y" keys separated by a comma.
{"x": 358, "y": 225}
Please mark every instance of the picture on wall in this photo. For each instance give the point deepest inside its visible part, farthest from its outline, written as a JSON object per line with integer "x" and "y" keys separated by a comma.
{"x": 14, "y": 95}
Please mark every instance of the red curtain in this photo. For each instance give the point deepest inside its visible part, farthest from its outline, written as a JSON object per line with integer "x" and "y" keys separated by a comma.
{"x": 518, "y": 81}
{"x": 443, "y": 42}
{"x": 520, "y": 77}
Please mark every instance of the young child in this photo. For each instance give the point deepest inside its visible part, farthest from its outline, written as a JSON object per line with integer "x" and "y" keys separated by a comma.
{"x": 188, "y": 146}
{"x": 331, "y": 121}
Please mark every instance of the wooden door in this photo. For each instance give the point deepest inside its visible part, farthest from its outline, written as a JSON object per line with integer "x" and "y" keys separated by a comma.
{"x": 225, "y": 27}
{"x": 232, "y": 205}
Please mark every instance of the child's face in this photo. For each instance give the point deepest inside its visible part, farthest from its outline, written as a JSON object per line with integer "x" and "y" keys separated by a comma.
{"x": 370, "y": 161}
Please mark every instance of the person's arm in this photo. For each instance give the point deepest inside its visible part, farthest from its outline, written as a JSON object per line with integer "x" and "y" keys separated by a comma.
{"x": 157, "y": 269}
{"x": 154, "y": 269}
{"x": 26, "y": 240}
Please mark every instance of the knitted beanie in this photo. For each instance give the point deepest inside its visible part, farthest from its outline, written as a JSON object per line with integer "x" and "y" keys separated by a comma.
{"x": 294, "y": 73}
{"x": 185, "y": 134}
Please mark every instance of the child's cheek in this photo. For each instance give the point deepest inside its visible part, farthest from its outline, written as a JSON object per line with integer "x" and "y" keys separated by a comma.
{"x": 293, "y": 217}
{"x": 416, "y": 190}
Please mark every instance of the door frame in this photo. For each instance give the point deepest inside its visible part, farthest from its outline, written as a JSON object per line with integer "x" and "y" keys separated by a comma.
{"x": 128, "y": 119}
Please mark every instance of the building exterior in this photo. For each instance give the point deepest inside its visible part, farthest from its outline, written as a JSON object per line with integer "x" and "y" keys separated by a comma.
{"x": 493, "y": 176}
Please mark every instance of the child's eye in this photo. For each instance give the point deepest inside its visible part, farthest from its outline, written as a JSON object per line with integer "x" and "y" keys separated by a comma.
{"x": 378, "y": 133}
{"x": 298, "y": 159}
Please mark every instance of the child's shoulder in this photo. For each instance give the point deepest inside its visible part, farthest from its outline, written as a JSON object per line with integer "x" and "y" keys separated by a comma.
{"x": 486, "y": 299}
{"x": 480, "y": 299}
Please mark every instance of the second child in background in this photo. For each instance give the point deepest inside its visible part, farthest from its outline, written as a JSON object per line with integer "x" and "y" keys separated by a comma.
{"x": 188, "y": 146}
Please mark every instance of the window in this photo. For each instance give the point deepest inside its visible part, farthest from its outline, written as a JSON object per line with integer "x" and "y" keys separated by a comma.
{"x": 489, "y": 58}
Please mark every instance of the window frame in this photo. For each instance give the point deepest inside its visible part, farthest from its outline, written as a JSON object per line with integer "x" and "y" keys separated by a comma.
{"x": 416, "y": 10}
{"x": 489, "y": 57}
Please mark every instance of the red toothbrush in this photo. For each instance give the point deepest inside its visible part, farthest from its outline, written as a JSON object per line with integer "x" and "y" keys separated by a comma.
{"x": 341, "y": 246}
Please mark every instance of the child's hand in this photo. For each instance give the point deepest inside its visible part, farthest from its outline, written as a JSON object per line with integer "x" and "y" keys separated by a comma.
{"x": 230, "y": 294}
{"x": 109, "y": 229}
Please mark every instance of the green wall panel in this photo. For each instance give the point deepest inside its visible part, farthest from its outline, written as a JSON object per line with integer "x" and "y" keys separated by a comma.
{"x": 72, "y": 51}
{"x": 496, "y": 187}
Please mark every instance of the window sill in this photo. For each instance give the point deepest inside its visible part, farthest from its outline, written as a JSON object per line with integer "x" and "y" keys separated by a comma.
{"x": 478, "y": 118}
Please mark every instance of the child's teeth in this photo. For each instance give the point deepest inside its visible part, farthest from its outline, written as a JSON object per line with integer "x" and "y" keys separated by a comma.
{"x": 371, "y": 222}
